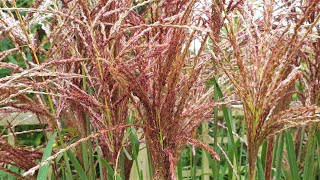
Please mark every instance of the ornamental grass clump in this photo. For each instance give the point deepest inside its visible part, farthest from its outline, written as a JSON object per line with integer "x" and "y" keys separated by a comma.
{"x": 79, "y": 76}
{"x": 108, "y": 76}
{"x": 72, "y": 75}
{"x": 153, "y": 61}
{"x": 258, "y": 54}
{"x": 88, "y": 66}
{"x": 169, "y": 81}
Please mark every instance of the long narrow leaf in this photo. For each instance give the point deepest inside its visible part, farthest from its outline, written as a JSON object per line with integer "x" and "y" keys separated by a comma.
{"x": 309, "y": 160}
{"x": 77, "y": 165}
{"x": 279, "y": 157}
{"x": 292, "y": 157}
{"x": 43, "y": 171}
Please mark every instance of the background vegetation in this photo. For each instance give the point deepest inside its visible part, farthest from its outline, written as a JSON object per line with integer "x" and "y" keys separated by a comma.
{"x": 181, "y": 89}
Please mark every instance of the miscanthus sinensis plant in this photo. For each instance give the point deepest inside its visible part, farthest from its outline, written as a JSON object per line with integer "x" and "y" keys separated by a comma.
{"x": 260, "y": 56}
{"x": 98, "y": 62}
{"x": 108, "y": 69}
